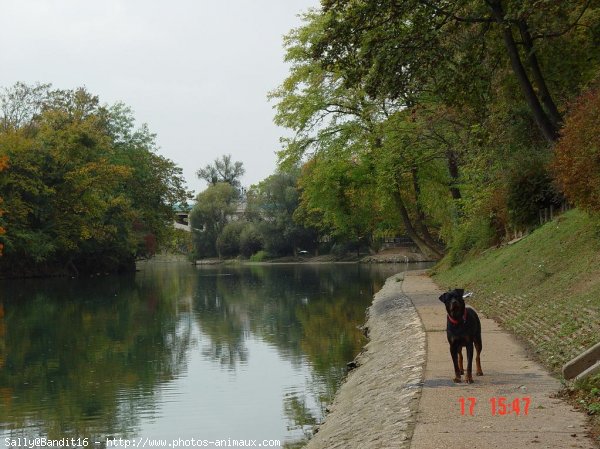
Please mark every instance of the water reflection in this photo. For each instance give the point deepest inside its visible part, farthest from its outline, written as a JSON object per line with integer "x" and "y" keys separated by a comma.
{"x": 81, "y": 358}
{"x": 178, "y": 349}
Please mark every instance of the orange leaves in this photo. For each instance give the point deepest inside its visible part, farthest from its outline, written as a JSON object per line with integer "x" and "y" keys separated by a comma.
{"x": 576, "y": 163}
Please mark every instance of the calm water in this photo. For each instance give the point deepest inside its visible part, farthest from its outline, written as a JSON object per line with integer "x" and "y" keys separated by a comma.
{"x": 254, "y": 352}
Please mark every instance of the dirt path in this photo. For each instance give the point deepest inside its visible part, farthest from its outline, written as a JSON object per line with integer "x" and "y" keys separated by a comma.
{"x": 402, "y": 394}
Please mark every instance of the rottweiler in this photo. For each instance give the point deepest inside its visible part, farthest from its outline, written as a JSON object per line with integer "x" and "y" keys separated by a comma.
{"x": 463, "y": 328}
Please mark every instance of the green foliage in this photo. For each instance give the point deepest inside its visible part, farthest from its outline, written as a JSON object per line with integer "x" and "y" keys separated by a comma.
{"x": 213, "y": 210}
{"x": 469, "y": 238}
{"x": 433, "y": 119}
{"x": 251, "y": 240}
{"x": 86, "y": 190}
{"x": 181, "y": 242}
{"x": 512, "y": 284}
{"x": 461, "y": 52}
{"x": 3, "y": 165}
{"x": 329, "y": 119}
{"x": 271, "y": 206}
{"x": 591, "y": 388}
{"x": 530, "y": 188}
{"x": 228, "y": 241}
{"x": 342, "y": 197}
{"x": 260, "y": 256}
{"x": 223, "y": 170}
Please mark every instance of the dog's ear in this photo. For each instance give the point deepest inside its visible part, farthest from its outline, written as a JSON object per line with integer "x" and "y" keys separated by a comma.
{"x": 444, "y": 297}
{"x": 460, "y": 292}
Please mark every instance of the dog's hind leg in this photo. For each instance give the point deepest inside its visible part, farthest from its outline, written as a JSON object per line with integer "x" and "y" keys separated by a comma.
{"x": 478, "y": 348}
{"x": 460, "y": 362}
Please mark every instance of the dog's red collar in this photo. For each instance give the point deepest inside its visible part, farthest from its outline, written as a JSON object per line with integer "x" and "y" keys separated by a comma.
{"x": 455, "y": 322}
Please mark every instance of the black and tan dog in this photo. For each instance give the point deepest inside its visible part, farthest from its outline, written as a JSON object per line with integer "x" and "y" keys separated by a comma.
{"x": 463, "y": 328}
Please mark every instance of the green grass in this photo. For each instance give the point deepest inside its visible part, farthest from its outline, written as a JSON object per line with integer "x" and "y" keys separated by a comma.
{"x": 545, "y": 289}
{"x": 588, "y": 394}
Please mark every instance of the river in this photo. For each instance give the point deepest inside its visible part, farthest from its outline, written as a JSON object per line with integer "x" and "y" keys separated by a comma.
{"x": 175, "y": 352}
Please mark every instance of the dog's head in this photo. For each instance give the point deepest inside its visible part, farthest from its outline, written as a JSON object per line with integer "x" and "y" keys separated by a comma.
{"x": 454, "y": 302}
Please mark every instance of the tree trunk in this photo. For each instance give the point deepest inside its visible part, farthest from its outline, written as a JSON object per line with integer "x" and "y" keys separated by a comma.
{"x": 71, "y": 268}
{"x": 538, "y": 78}
{"x": 453, "y": 169}
{"x": 427, "y": 251}
{"x": 420, "y": 219}
{"x": 541, "y": 118}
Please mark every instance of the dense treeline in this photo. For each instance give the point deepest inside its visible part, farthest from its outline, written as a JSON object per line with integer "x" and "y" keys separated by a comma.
{"x": 440, "y": 119}
{"x": 228, "y": 221}
{"x": 84, "y": 191}
{"x": 451, "y": 122}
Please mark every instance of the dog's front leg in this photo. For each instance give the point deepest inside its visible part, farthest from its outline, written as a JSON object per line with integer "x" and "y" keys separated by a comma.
{"x": 478, "y": 348}
{"x": 469, "y": 378}
{"x": 454, "y": 350}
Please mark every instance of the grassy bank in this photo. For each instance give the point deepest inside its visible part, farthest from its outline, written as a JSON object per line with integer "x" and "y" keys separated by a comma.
{"x": 545, "y": 289}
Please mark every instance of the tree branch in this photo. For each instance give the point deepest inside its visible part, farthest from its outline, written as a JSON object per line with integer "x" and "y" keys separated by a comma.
{"x": 452, "y": 16}
{"x": 566, "y": 30}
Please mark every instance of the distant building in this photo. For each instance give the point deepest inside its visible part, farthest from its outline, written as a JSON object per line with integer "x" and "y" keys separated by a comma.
{"x": 240, "y": 210}
{"x": 181, "y": 219}
{"x": 182, "y": 215}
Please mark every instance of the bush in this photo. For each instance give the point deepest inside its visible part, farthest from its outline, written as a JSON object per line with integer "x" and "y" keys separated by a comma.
{"x": 228, "y": 242}
{"x": 469, "y": 238}
{"x": 274, "y": 240}
{"x": 180, "y": 242}
{"x": 203, "y": 245}
{"x": 576, "y": 164}
{"x": 530, "y": 188}
{"x": 251, "y": 240}
{"x": 259, "y": 256}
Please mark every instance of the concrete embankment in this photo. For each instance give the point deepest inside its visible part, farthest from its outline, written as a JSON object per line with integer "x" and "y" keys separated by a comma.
{"x": 402, "y": 394}
{"x": 375, "y": 407}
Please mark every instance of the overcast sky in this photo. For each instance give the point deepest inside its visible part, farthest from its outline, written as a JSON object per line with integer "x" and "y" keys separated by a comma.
{"x": 196, "y": 71}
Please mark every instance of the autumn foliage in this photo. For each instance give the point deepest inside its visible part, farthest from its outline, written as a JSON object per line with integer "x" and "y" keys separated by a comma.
{"x": 576, "y": 163}
{"x": 85, "y": 186}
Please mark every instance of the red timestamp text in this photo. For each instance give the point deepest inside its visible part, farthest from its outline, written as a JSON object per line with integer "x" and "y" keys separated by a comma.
{"x": 497, "y": 406}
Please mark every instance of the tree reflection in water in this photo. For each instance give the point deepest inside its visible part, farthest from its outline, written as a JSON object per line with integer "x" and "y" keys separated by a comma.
{"x": 81, "y": 358}
{"x": 88, "y": 358}
{"x": 310, "y": 313}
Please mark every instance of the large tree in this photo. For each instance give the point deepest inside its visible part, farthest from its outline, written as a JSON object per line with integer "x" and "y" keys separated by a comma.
{"x": 443, "y": 107}
{"x": 271, "y": 207}
{"x": 223, "y": 170}
{"x": 214, "y": 208}
{"x": 86, "y": 190}
{"x": 403, "y": 49}
{"x": 340, "y": 128}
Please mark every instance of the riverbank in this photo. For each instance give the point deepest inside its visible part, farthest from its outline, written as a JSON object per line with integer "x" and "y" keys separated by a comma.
{"x": 376, "y": 405}
{"x": 393, "y": 255}
{"x": 402, "y": 394}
